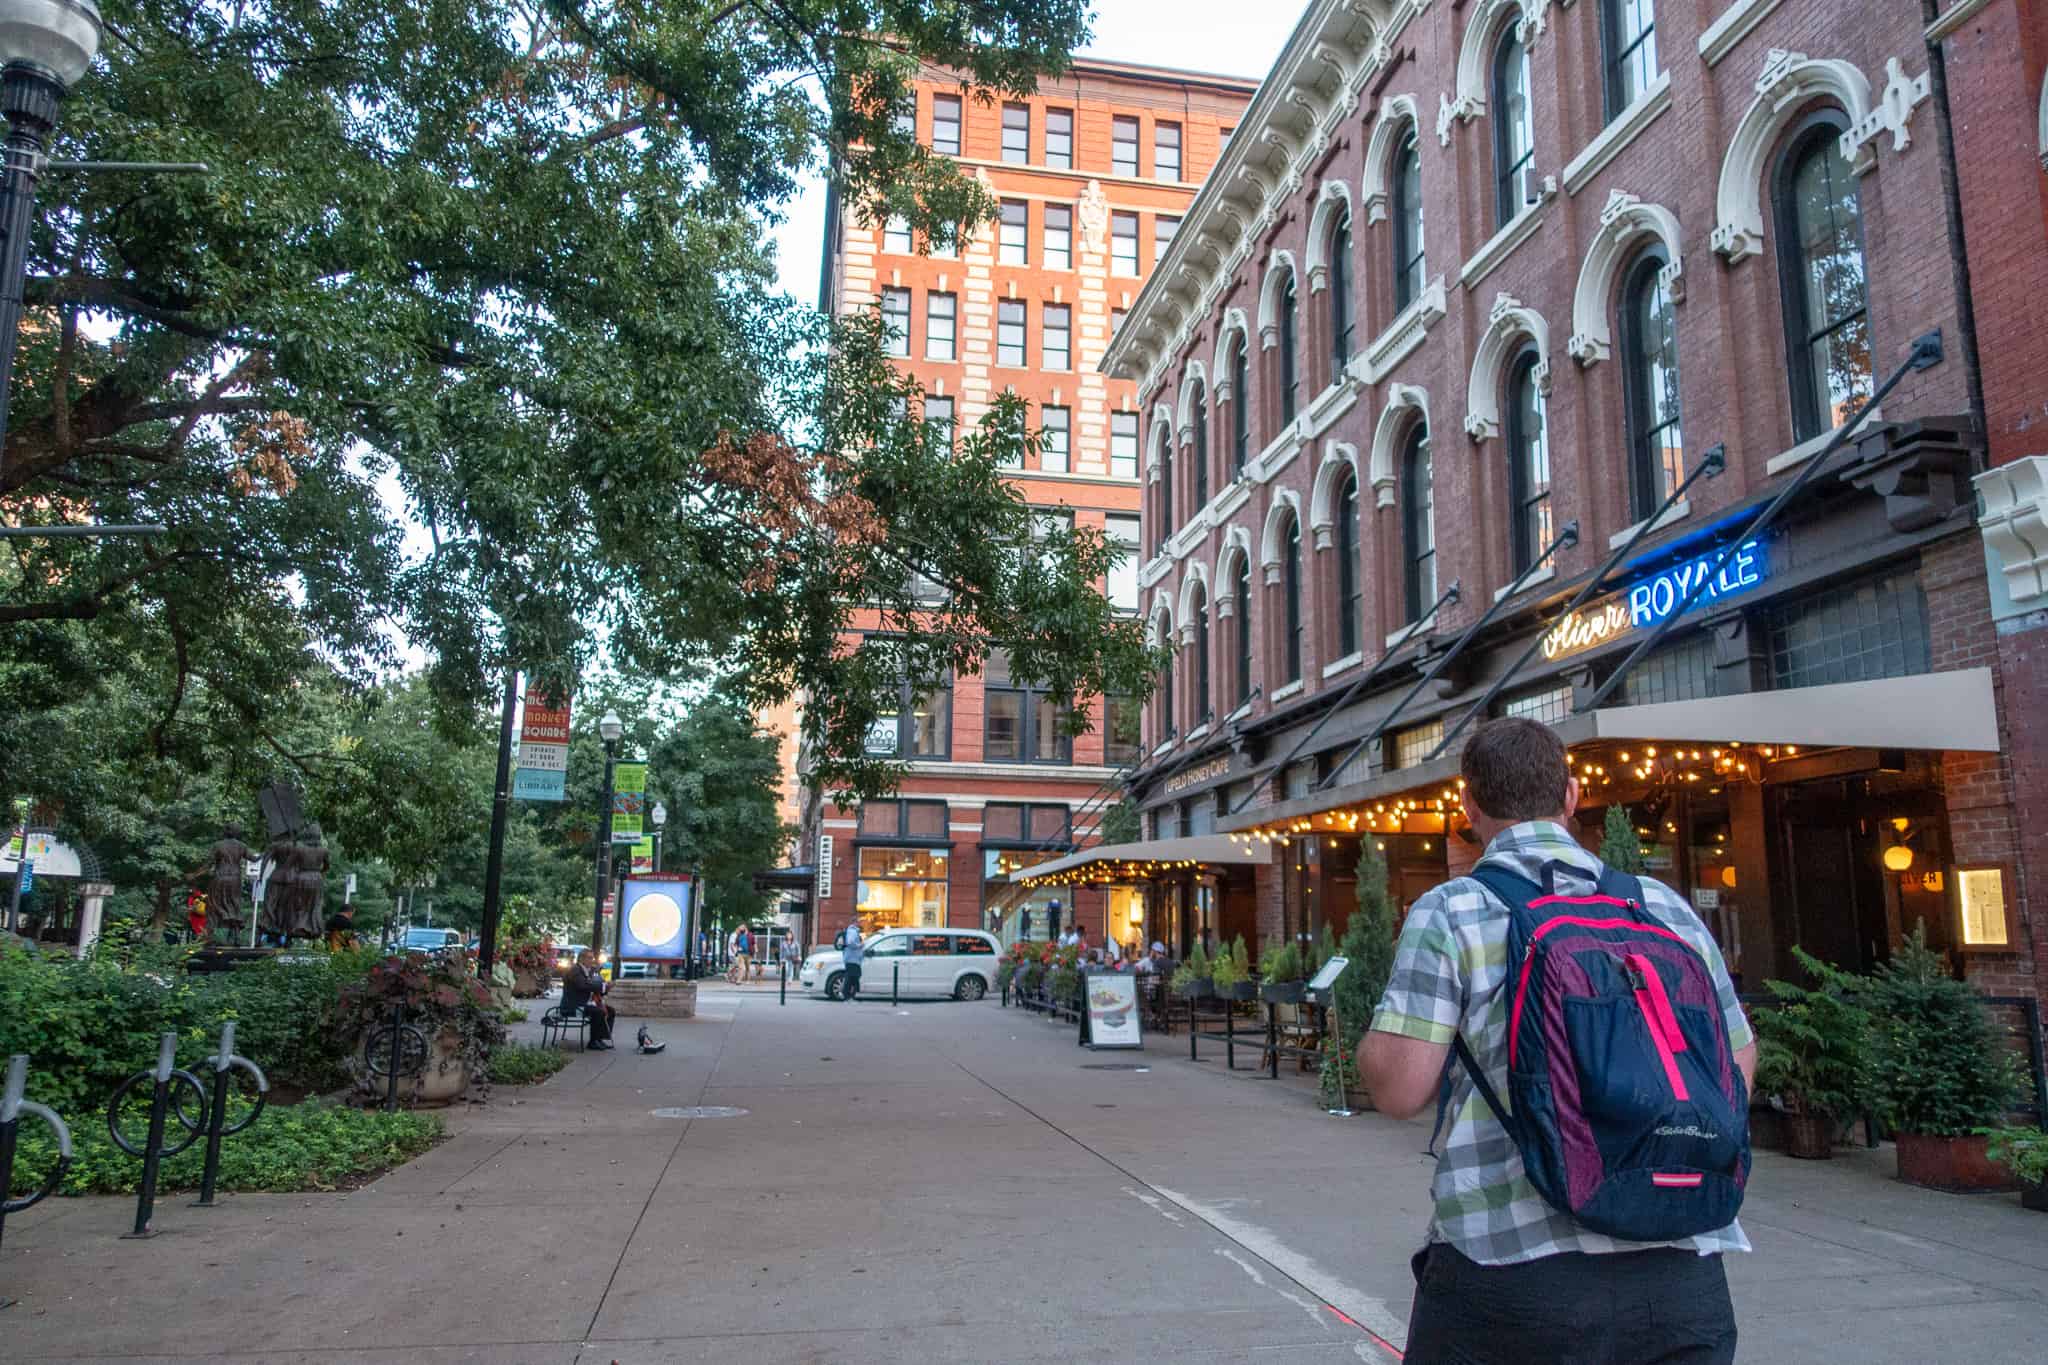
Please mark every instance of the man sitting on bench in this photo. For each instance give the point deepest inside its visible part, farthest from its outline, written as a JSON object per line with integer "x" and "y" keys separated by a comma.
{"x": 583, "y": 992}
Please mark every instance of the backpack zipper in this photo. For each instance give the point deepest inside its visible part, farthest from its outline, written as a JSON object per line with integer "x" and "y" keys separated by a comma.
{"x": 1580, "y": 921}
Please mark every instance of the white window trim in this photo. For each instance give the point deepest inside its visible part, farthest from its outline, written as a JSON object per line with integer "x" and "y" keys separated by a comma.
{"x": 1166, "y": 747}
{"x": 1734, "y": 24}
{"x": 1677, "y": 512}
{"x": 1395, "y": 639}
{"x": 1198, "y": 732}
{"x": 1403, "y": 334}
{"x": 1292, "y": 689}
{"x": 1351, "y": 660}
{"x": 1625, "y": 128}
{"x": 1812, "y": 446}
{"x": 1542, "y": 575}
{"x": 1502, "y": 244}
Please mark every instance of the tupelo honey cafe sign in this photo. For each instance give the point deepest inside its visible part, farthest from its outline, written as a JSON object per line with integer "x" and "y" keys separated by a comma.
{"x": 1181, "y": 781}
{"x": 1653, "y": 598}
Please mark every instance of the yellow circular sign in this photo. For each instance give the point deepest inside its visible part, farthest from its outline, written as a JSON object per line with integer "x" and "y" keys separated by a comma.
{"x": 655, "y": 919}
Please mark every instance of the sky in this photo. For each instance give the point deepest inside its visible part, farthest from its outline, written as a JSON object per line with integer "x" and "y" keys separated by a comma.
{"x": 1226, "y": 37}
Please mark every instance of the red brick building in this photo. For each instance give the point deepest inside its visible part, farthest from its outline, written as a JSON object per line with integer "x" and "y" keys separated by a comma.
{"x": 1546, "y": 304}
{"x": 1093, "y": 174}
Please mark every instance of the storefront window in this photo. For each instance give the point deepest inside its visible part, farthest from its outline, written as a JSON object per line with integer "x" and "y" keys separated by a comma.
{"x": 902, "y": 888}
{"x": 1873, "y": 629}
{"x": 1418, "y": 742}
{"x": 1550, "y": 705}
{"x": 1674, "y": 672}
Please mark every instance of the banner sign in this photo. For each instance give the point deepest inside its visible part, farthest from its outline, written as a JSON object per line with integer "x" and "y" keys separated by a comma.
{"x": 643, "y": 855}
{"x": 1649, "y": 600}
{"x": 1109, "y": 1015}
{"x": 657, "y": 919}
{"x": 543, "y": 751}
{"x": 629, "y": 802}
{"x": 824, "y": 868}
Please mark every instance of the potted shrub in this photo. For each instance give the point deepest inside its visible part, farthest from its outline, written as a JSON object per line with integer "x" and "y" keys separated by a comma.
{"x": 1223, "y": 976}
{"x": 1193, "y": 977}
{"x": 1243, "y": 984}
{"x": 1813, "y": 1056}
{"x": 1368, "y": 950}
{"x": 1281, "y": 970}
{"x": 450, "y": 1006}
{"x": 1941, "y": 1072}
{"x": 533, "y": 965}
{"x": 2024, "y": 1152}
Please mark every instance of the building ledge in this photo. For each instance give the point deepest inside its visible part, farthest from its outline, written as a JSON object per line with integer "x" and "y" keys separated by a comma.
{"x": 1351, "y": 660}
{"x": 1623, "y": 129}
{"x": 1678, "y": 511}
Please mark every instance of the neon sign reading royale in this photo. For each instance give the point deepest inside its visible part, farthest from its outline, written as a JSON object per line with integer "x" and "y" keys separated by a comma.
{"x": 1656, "y": 597}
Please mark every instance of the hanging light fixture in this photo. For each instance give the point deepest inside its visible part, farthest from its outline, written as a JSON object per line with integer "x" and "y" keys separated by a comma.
{"x": 1899, "y": 857}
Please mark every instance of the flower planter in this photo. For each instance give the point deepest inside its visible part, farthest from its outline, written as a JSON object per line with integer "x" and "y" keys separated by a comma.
{"x": 1949, "y": 1163}
{"x": 1282, "y": 992}
{"x": 525, "y": 985}
{"x": 2034, "y": 1195}
{"x": 1244, "y": 990}
{"x": 1810, "y": 1137}
{"x": 1199, "y": 989}
{"x": 446, "y": 1075}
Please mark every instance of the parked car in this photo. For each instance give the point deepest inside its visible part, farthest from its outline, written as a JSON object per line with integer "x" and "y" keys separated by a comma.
{"x": 632, "y": 970}
{"x": 565, "y": 957}
{"x": 960, "y": 963}
{"x": 435, "y": 941}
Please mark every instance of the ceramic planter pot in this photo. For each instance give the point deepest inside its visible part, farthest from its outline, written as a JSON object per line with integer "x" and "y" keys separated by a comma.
{"x": 1282, "y": 992}
{"x": 1198, "y": 989}
{"x": 1950, "y": 1163}
{"x": 1810, "y": 1137}
{"x": 446, "y": 1075}
{"x": 525, "y": 985}
{"x": 1244, "y": 990}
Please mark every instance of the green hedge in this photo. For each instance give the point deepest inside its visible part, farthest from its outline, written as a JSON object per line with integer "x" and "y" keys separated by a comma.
{"x": 524, "y": 1064}
{"x": 310, "y": 1146}
{"x": 89, "y": 1025}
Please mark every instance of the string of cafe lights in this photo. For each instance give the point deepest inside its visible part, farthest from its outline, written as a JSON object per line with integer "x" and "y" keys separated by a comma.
{"x": 1107, "y": 873}
{"x": 1653, "y": 765}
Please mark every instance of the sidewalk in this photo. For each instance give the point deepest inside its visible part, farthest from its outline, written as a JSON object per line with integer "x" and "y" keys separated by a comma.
{"x": 931, "y": 1181}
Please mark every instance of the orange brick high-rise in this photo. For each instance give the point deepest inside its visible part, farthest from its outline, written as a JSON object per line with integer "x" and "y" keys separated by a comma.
{"x": 1093, "y": 173}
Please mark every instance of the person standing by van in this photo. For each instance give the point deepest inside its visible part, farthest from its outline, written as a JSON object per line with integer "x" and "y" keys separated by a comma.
{"x": 850, "y": 951}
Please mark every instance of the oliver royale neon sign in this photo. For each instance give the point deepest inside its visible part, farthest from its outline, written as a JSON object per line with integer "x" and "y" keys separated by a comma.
{"x": 1649, "y": 601}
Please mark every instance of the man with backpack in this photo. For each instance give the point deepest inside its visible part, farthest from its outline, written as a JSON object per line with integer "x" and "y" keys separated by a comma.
{"x": 1577, "y": 1029}
{"x": 849, "y": 945}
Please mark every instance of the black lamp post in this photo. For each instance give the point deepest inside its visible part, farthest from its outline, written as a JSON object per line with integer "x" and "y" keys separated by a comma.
{"x": 45, "y": 45}
{"x": 610, "y": 728}
{"x": 659, "y": 815}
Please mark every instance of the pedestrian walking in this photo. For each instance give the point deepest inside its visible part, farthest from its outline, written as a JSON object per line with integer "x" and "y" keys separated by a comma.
{"x": 1591, "y": 1231}
{"x": 850, "y": 952}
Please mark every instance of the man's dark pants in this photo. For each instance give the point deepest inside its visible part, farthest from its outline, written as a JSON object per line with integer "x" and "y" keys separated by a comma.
{"x": 1659, "y": 1307}
{"x": 850, "y": 988}
{"x": 600, "y": 1017}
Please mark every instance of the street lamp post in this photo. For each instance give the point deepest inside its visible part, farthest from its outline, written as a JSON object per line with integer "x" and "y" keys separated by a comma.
{"x": 45, "y": 45}
{"x": 660, "y": 817}
{"x": 610, "y": 728}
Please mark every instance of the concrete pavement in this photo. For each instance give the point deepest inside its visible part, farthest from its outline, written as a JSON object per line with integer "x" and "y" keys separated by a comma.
{"x": 935, "y": 1181}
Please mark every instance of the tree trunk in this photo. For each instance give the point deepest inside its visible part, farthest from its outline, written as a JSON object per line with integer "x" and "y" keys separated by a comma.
{"x": 161, "y": 916}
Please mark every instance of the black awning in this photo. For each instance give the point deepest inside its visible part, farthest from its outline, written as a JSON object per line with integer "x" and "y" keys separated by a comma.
{"x": 800, "y": 878}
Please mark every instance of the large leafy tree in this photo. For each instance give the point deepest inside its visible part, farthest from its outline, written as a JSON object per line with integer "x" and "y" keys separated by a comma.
{"x": 506, "y": 256}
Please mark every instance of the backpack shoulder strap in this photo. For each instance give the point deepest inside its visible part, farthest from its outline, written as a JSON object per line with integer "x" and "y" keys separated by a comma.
{"x": 1510, "y": 888}
{"x": 1460, "y": 1052}
{"x": 1622, "y": 886}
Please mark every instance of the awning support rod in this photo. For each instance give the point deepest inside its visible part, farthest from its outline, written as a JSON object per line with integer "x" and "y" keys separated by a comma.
{"x": 1712, "y": 462}
{"x": 1925, "y": 354}
{"x": 1566, "y": 538}
{"x": 1413, "y": 633}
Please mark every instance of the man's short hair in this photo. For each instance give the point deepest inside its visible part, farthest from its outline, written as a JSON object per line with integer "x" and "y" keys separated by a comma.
{"x": 1516, "y": 769}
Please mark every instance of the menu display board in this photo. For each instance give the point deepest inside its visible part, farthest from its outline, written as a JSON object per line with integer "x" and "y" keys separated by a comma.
{"x": 1109, "y": 1010}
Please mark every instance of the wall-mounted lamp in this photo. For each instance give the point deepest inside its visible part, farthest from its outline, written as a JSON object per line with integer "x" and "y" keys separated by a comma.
{"x": 1899, "y": 856}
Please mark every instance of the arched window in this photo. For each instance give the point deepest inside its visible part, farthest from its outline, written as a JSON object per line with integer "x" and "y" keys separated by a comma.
{"x": 1289, "y": 365}
{"x": 1166, "y": 483}
{"x": 1528, "y": 462}
{"x": 1341, "y": 309}
{"x": 1418, "y": 523}
{"x": 1244, "y": 629}
{"x": 1199, "y": 606}
{"x": 1628, "y": 32}
{"x": 1199, "y": 413}
{"x": 1240, "y": 409}
{"x": 1820, "y": 252}
{"x": 1290, "y": 581}
{"x": 1408, "y": 253}
{"x": 1350, "y": 579}
{"x": 1514, "y": 132}
{"x": 1168, "y": 725}
{"x": 1649, "y": 366}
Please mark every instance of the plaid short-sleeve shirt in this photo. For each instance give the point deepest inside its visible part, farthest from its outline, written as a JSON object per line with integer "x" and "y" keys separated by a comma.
{"x": 1449, "y": 970}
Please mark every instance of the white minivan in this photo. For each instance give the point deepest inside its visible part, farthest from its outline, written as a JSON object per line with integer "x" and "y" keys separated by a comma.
{"x": 960, "y": 963}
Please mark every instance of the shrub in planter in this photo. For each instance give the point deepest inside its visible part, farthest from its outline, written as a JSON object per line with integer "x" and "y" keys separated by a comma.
{"x": 1368, "y": 949}
{"x": 2024, "y": 1152}
{"x": 1941, "y": 1072}
{"x": 1813, "y": 1055}
{"x": 1192, "y": 977}
{"x": 1280, "y": 971}
{"x": 1244, "y": 983}
{"x": 444, "y": 1002}
{"x": 533, "y": 965}
{"x": 1224, "y": 976}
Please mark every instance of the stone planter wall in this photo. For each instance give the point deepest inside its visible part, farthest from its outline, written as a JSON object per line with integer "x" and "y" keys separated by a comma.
{"x": 653, "y": 998}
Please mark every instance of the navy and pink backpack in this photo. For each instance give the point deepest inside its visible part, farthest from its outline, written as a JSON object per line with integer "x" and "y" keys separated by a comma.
{"x": 1628, "y": 1109}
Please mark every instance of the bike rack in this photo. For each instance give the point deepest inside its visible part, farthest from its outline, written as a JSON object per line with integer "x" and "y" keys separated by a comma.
{"x": 153, "y": 1149}
{"x": 13, "y": 1104}
{"x": 225, "y": 1063}
{"x": 395, "y": 1050}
